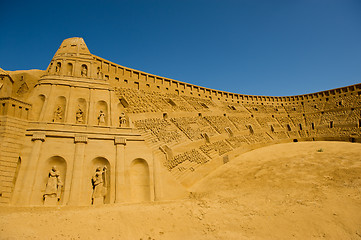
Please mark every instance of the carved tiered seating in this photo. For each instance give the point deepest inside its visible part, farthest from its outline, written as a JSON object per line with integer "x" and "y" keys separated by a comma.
{"x": 200, "y": 104}
{"x": 221, "y": 147}
{"x": 193, "y": 127}
{"x": 220, "y": 123}
{"x": 161, "y": 129}
{"x": 191, "y": 156}
{"x": 241, "y": 122}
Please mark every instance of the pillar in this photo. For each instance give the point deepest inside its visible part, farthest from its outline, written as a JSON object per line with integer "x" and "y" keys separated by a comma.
{"x": 78, "y": 166}
{"x": 31, "y": 170}
{"x": 120, "y": 191}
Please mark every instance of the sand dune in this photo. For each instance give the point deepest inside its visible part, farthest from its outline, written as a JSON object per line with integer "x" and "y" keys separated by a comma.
{"x": 307, "y": 190}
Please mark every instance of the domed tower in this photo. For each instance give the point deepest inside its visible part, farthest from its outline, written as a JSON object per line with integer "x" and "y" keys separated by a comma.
{"x": 74, "y": 134}
{"x": 73, "y": 90}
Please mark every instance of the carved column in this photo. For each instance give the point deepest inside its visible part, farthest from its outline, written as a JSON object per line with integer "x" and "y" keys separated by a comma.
{"x": 120, "y": 143}
{"x": 77, "y": 176}
{"x": 32, "y": 168}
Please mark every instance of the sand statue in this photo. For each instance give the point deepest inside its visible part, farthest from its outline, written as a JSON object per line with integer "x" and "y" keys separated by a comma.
{"x": 79, "y": 116}
{"x": 58, "y": 114}
{"x": 99, "y": 185}
{"x": 84, "y": 71}
{"x": 122, "y": 120}
{"x": 101, "y": 118}
{"x": 54, "y": 185}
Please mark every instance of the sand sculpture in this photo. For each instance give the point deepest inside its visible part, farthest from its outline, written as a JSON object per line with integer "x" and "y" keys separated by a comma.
{"x": 111, "y": 134}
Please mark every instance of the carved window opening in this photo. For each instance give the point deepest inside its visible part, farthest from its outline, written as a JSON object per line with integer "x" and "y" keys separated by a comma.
{"x": 300, "y": 125}
{"x": 288, "y": 127}
{"x": 69, "y": 69}
{"x": 359, "y": 123}
{"x": 200, "y": 115}
{"x": 165, "y": 116}
{"x": 272, "y": 128}
{"x": 170, "y": 101}
{"x": 250, "y": 129}
{"x": 203, "y": 105}
{"x": 232, "y": 107}
{"x": 229, "y": 131}
{"x": 124, "y": 102}
{"x": 206, "y": 137}
{"x": 313, "y": 126}
{"x": 331, "y": 124}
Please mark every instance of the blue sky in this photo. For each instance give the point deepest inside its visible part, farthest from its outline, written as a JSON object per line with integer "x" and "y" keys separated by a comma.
{"x": 259, "y": 47}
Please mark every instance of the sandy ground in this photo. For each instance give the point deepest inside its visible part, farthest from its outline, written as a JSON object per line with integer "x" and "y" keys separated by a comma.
{"x": 308, "y": 190}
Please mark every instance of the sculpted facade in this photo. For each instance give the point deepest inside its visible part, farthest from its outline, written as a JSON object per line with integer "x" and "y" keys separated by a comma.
{"x": 88, "y": 131}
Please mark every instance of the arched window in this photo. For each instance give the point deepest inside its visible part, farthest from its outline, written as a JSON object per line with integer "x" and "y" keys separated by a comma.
{"x": 69, "y": 69}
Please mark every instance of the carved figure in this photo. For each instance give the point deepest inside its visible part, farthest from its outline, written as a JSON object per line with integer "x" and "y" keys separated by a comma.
{"x": 58, "y": 114}
{"x": 79, "y": 116}
{"x": 101, "y": 117}
{"x": 54, "y": 184}
{"x": 99, "y": 184}
{"x": 84, "y": 71}
{"x": 122, "y": 120}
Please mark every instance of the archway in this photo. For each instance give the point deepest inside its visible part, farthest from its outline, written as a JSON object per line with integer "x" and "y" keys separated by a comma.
{"x": 51, "y": 183}
{"x": 139, "y": 181}
{"x": 59, "y": 109}
{"x": 102, "y": 113}
{"x": 98, "y": 181}
{"x": 81, "y": 111}
{"x": 69, "y": 69}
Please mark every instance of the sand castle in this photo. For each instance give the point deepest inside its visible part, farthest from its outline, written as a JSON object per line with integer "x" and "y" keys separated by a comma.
{"x": 88, "y": 131}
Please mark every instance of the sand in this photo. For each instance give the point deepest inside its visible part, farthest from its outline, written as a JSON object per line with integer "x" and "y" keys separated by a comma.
{"x": 307, "y": 190}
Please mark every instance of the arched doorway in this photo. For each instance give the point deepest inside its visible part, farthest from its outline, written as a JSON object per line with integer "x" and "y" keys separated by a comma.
{"x": 139, "y": 181}
{"x": 101, "y": 112}
{"x": 98, "y": 181}
{"x": 53, "y": 177}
